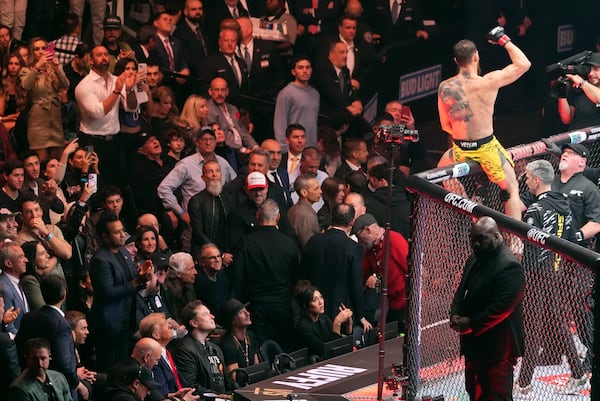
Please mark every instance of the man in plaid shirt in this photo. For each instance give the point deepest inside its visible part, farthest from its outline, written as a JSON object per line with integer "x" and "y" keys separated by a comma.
{"x": 64, "y": 47}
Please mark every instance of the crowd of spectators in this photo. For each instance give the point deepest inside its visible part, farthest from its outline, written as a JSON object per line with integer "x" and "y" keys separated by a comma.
{"x": 171, "y": 201}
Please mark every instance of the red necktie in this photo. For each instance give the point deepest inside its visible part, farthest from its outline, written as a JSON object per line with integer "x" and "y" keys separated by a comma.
{"x": 169, "y": 55}
{"x": 174, "y": 369}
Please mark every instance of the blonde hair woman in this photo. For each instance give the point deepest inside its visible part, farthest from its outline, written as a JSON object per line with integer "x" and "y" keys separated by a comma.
{"x": 194, "y": 111}
{"x": 43, "y": 79}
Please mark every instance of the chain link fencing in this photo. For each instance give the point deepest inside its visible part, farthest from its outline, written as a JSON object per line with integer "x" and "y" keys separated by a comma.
{"x": 557, "y": 308}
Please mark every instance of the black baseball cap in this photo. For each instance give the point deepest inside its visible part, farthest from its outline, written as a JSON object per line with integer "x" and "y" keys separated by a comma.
{"x": 594, "y": 60}
{"x": 577, "y": 148}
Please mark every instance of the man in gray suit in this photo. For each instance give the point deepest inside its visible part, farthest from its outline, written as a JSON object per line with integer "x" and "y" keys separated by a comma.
{"x": 37, "y": 381}
{"x": 226, "y": 114}
{"x": 12, "y": 262}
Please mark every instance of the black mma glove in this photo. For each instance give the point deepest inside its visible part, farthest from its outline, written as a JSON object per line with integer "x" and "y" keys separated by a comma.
{"x": 497, "y": 36}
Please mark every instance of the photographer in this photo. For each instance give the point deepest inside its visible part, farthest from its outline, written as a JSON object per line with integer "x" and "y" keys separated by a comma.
{"x": 581, "y": 108}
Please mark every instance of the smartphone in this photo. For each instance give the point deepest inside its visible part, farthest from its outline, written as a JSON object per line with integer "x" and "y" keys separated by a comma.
{"x": 50, "y": 48}
{"x": 89, "y": 149}
{"x": 142, "y": 68}
{"x": 405, "y": 112}
{"x": 93, "y": 182}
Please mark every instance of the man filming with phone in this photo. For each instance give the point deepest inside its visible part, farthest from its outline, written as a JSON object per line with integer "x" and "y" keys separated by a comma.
{"x": 99, "y": 95}
{"x": 581, "y": 108}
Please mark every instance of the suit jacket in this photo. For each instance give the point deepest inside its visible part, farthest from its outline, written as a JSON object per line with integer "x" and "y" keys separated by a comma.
{"x": 27, "y": 388}
{"x": 191, "y": 359}
{"x": 490, "y": 295}
{"x": 218, "y": 66}
{"x": 266, "y": 73}
{"x": 195, "y": 51}
{"x": 379, "y": 17}
{"x": 140, "y": 56}
{"x": 284, "y": 184}
{"x": 12, "y": 298}
{"x": 333, "y": 263}
{"x": 9, "y": 364}
{"x": 215, "y": 113}
{"x": 214, "y": 14}
{"x": 113, "y": 291}
{"x": 159, "y": 54}
{"x": 333, "y": 101}
{"x": 165, "y": 376}
{"x": 364, "y": 55}
{"x": 48, "y": 323}
{"x": 342, "y": 170}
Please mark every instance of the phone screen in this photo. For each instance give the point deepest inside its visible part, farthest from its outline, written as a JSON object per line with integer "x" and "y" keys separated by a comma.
{"x": 405, "y": 113}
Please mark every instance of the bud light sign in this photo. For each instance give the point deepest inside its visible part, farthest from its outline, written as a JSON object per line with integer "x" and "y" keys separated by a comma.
{"x": 565, "y": 38}
{"x": 420, "y": 83}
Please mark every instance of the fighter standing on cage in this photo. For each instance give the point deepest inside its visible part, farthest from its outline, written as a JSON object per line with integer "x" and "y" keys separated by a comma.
{"x": 486, "y": 311}
{"x": 466, "y": 109}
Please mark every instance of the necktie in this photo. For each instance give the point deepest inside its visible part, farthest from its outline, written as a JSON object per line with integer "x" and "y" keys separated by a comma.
{"x": 350, "y": 60}
{"x": 237, "y": 138}
{"x": 395, "y": 11}
{"x": 235, "y": 12}
{"x": 174, "y": 370}
{"x": 246, "y": 55}
{"x": 23, "y": 298}
{"x": 169, "y": 55}
{"x": 236, "y": 70}
{"x": 200, "y": 39}
{"x": 275, "y": 178}
{"x": 342, "y": 82}
{"x": 293, "y": 165}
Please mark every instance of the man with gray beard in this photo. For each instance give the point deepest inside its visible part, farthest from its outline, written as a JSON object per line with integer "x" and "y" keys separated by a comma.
{"x": 209, "y": 210}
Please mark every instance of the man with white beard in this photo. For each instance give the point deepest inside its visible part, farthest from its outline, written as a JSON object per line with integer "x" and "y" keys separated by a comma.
{"x": 209, "y": 210}
{"x": 584, "y": 196}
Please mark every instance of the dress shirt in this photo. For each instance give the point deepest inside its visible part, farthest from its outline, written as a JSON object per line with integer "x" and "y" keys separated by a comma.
{"x": 249, "y": 47}
{"x": 186, "y": 175}
{"x": 90, "y": 93}
{"x": 17, "y": 284}
{"x": 296, "y": 172}
{"x": 350, "y": 60}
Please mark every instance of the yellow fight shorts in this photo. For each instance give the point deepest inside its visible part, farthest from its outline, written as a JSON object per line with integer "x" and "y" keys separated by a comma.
{"x": 487, "y": 152}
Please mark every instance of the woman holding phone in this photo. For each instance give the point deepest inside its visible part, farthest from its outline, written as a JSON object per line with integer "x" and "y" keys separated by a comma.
{"x": 43, "y": 78}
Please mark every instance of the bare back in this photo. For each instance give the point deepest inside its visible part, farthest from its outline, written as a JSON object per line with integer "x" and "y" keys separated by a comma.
{"x": 466, "y": 106}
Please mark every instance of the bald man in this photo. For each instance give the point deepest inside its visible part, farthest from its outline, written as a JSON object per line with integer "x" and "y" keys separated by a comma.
{"x": 486, "y": 311}
{"x": 276, "y": 173}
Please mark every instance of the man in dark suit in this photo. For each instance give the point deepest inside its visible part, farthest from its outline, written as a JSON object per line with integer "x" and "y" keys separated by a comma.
{"x": 12, "y": 262}
{"x": 192, "y": 36}
{"x": 49, "y": 323}
{"x": 486, "y": 311}
{"x": 266, "y": 78}
{"x": 115, "y": 281}
{"x": 227, "y": 65}
{"x": 168, "y": 54}
{"x": 145, "y": 43}
{"x": 332, "y": 263}
{"x": 339, "y": 99}
{"x": 217, "y": 12}
{"x": 156, "y": 326}
{"x": 355, "y": 155}
{"x": 361, "y": 55}
{"x": 395, "y": 22}
{"x": 277, "y": 174}
{"x": 9, "y": 361}
{"x": 265, "y": 269}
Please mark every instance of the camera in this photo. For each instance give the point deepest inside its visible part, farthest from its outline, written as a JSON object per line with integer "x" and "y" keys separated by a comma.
{"x": 561, "y": 86}
{"x": 396, "y": 134}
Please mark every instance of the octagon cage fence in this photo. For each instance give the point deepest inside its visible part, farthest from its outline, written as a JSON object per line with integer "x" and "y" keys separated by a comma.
{"x": 558, "y": 304}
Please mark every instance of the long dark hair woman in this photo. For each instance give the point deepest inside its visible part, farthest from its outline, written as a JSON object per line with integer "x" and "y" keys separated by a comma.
{"x": 38, "y": 264}
{"x": 315, "y": 328}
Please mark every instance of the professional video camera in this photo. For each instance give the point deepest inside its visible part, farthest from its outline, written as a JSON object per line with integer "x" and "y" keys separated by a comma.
{"x": 396, "y": 134}
{"x": 560, "y": 85}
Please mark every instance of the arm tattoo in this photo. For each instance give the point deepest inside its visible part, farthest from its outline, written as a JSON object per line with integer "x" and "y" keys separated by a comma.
{"x": 455, "y": 100}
